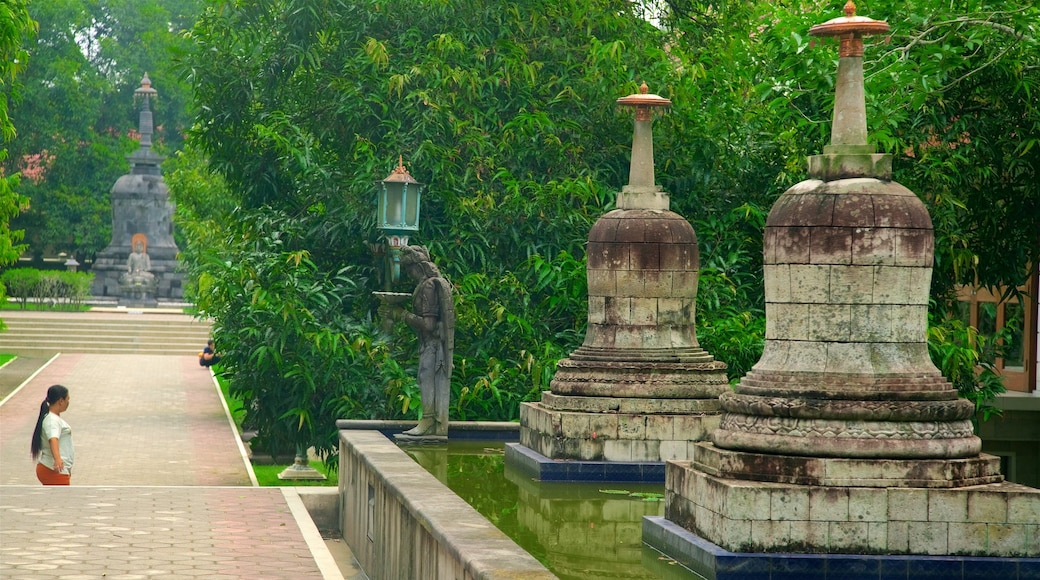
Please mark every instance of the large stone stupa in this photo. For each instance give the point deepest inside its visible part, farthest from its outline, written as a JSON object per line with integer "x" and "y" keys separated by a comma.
{"x": 640, "y": 388}
{"x": 142, "y": 214}
{"x": 844, "y": 437}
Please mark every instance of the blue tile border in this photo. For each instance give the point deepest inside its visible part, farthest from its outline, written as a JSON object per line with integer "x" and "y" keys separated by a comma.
{"x": 537, "y": 466}
{"x": 715, "y": 563}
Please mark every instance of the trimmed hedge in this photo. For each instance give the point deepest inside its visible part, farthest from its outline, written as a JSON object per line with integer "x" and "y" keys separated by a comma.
{"x": 50, "y": 288}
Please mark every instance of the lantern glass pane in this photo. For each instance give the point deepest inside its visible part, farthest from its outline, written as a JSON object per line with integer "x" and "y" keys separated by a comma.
{"x": 394, "y": 204}
{"x": 412, "y": 211}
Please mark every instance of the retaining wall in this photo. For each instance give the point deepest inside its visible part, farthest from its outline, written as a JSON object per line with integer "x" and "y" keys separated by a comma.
{"x": 400, "y": 522}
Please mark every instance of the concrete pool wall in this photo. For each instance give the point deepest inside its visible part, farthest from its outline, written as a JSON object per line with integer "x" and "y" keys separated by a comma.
{"x": 401, "y": 522}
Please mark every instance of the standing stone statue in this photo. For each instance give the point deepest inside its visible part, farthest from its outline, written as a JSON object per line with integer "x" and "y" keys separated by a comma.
{"x": 433, "y": 319}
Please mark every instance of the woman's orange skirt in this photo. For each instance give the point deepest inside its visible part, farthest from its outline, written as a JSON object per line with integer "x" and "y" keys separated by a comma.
{"x": 48, "y": 476}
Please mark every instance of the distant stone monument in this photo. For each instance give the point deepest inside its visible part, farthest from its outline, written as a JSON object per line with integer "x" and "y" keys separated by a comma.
{"x": 844, "y": 437}
{"x": 639, "y": 389}
{"x": 141, "y": 212}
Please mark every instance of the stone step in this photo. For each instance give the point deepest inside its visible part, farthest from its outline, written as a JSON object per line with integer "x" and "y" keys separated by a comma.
{"x": 47, "y": 333}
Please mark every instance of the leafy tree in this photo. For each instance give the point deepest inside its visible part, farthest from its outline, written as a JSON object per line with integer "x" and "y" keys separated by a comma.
{"x": 87, "y": 61}
{"x": 506, "y": 111}
{"x": 16, "y": 28}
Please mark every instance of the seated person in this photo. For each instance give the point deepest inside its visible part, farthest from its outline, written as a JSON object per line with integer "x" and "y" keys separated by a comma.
{"x": 208, "y": 357}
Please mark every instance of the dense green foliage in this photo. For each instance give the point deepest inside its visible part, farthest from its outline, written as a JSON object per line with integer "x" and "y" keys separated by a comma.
{"x": 16, "y": 28}
{"x": 310, "y": 102}
{"x": 47, "y": 288}
{"x": 87, "y": 60}
{"x": 506, "y": 111}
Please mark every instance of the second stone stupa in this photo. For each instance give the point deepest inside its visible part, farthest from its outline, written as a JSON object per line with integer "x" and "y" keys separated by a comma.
{"x": 640, "y": 388}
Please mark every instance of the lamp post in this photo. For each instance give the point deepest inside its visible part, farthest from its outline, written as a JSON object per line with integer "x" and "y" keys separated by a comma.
{"x": 397, "y": 216}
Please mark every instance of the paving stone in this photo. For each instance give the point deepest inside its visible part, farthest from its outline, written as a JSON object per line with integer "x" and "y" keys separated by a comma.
{"x": 160, "y": 488}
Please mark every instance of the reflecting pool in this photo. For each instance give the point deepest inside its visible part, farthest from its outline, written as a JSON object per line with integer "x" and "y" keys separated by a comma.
{"x": 579, "y": 531}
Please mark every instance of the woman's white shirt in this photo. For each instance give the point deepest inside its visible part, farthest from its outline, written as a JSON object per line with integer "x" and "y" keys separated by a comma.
{"x": 54, "y": 426}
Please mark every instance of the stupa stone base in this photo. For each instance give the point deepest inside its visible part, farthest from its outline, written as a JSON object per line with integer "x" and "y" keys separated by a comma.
{"x": 997, "y": 519}
{"x": 847, "y": 472}
{"x": 632, "y": 435}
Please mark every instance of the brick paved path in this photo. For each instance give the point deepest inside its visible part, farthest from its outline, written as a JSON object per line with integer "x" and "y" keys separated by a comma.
{"x": 153, "y": 490}
{"x": 136, "y": 420}
{"x": 123, "y": 533}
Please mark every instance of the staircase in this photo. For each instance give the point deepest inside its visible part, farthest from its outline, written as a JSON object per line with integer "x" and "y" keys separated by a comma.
{"x": 100, "y": 332}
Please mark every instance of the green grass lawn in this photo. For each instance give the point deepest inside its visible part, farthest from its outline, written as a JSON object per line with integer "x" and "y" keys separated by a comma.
{"x": 4, "y": 358}
{"x": 267, "y": 475}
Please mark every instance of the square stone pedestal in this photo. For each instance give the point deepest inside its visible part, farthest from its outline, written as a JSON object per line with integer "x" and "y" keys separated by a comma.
{"x": 623, "y": 430}
{"x": 995, "y": 519}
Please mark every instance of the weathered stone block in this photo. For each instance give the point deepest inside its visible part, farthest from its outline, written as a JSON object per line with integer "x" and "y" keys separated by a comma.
{"x": 747, "y": 502}
{"x": 616, "y": 450}
{"x": 629, "y": 283}
{"x": 602, "y": 282}
{"x": 1005, "y": 540}
{"x": 672, "y": 311}
{"x": 777, "y": 280}
{"x": 644, "y": 311}
{"x": 768, "y": 535}
{"x": 608, "y": 256}
{"x": 967, "y": 538}
{"x": 898, "y": 537}
{"x": 947, "y": 505}
{"x": 987, "y": 507}
{"x": 674, "y": 450}
{"x": 1023, "y": 507}
{"x": 789, "y": 503}
{"x": 877, "y": 537}
{"x": 617, "y": 310}
{"x": 575, "y": 425}
{"x": 853, "y": 209}
{"x": 847, "y": 536}
{"x": 632, "y": 427}
{"x": 792, "y": 245}
{"x": 678, "y": 257}
{"x": 735, "y": 534}
{"x": 829, "y": 504}
{"x": 628, "y": 337}
{"x": 656, "y": 283}
{"x": 810, "y": 283}
{"x": 848, "y": 358}
{"x": 806, "y": 356}
{"x": 645, "y": 257}
{"x": 892, "y": 285}
{"x": 603, "y": 426}
{"x": 789, "y": 321}
{"x": 829, "y": 245}
{"x": 830, "y": 322}
{"x": 852, "y": 285}
{"x": 890, "y": 211}
{"x": 645, "y": 450}
{"x": 798, "y": 532}
{"x": 874, "y": 246}
{"x": 914, "y": 248}
{"x": 929, "y": 538}
{"x": 684, "y": 284}
{"x": 920, "y": 285}
{"x": 660, "y": 427}
{"x": 597, "y": 315}
{"x": 868, "y": 504}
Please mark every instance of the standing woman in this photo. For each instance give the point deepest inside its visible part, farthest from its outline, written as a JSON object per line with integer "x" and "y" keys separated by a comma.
{"x": 52, "y": 440}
